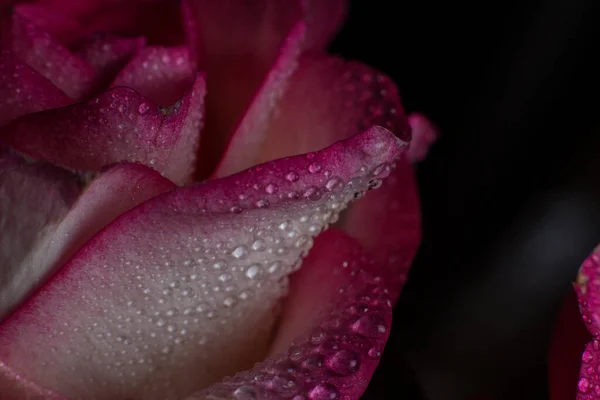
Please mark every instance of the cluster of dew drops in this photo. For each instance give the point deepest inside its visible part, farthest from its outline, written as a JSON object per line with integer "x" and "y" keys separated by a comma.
{"x": 216, "y": 281}
{"x": 589, "y": 384}
{"x": 322, "y": 366}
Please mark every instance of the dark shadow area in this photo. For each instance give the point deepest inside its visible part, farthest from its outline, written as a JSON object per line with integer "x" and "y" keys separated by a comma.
{"x": 510, "y": 194}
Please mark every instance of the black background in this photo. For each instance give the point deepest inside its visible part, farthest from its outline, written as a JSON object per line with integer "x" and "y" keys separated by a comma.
{"x": 510, "y": 194}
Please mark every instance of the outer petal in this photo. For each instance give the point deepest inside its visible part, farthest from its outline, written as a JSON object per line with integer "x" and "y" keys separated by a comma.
{"x": 23, "y": 90}
{"x": 387, "y": 223}
{"x": 160, "y": 73}
{"x": 588, "y": 291}
{"x": 44, "y": 220}
{"x": 62, "y": 26}
{"x": 119, "y": 125}
{"x": 196, "y": 266}
{"x": 47, "y": 56}
{"x": 157, "y": 20}
{"x": 424, "y": 133}
{"x": 108, "y": 55}
{"x": 328, "y": 99}
{"x": 338, "y": 340}
{"x": 238, "y": 42}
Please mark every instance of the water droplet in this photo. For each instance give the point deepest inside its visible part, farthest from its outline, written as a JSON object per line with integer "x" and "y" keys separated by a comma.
{"x": 275, "y": 267}
{"x": 244, "y": 393}
{"x": 254, "y": 271}
{"x": 374, "y": 352}
{"x": 230, "y": 302}
{"x": 225, "y": 277}
{"x": 369, "y": 326}
{"x": 375, "y": 183}
{"x": 262, "y": 203}
{"x": 240, "y": 252}
{"x": 236, "y": 209}
{"x": 382, "y": 171}
{"x": 344, "y": 362}
{"x": 335, "y": 185}
{"x": 292, "y": 177}
{"x": 166, "y": 350}
{"x": 301, "y": 241}
{"x": 259, "y": 245}
{"x": 271, "y": 188}
{"x": 143, "y": 108}
{"x": 171, "y": 312}
{"x": 201, "y": 307}
{"x": 583, "y": 385}
{"x": 587, "y": 356}
{"x": 323, "y": 392}
{"x": 219, "y": 265}
{"x": 283, "y": 384}
{"x": 312, "y": 193}
{"x": 314, "y": 168}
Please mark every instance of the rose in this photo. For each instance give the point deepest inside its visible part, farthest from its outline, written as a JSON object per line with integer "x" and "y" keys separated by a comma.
{"x": 118, "y": 284}
{"x": 574, "y": 367}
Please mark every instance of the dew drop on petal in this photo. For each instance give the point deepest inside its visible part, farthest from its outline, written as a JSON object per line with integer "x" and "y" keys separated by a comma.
{"x": 343, "y": 363}
{"x": 240, "y": 252}
{"x": 292, "y": 177}
{"x": 143, "y": 108}
{"x": 314, "y": 168}
{"x": 254, "y": 271}
{"x": 323, "y": 392}
{"x": 583, "y": 385}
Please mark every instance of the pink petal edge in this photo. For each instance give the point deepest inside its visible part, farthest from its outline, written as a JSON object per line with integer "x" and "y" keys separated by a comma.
{"x": 333, "y": 330}
{"x": 249, "y": 136}
{"x": 161, "y": 74}
{"x": 46, "y": 220}
{"x": 237, "y": 43}
{"x": 588, "y": 292}
{"x": 42, "y": 52}
{"x": 387, "y": 222}
{"x": 250, "y": 229}
{"x": 327, "y": 99}
{"x": 424, "y": 133}
{"x": 24, "y": 91}
{"x": 119, "y": 125}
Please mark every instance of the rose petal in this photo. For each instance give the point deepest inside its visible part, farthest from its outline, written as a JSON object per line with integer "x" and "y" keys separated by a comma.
{"x": 60, "y": 25}
{"x": 119, "y": 125}
{"x": 34, "y": 199}
{"x": 23, "y": 90}
{"x": 237, "y": 43}
{"x": 15, "y": 387}
{"x": 424, "y": 134}
{"x": 588, "y": 292}
{"x": 568, "y": 344}
{"x": 108, "y": 55}
{"x": 159, "y": 21}
{"x": 127, "y": 294}
{"x": 328, "y": 99}
{"x": 250, "y": 135}
{"x": 387, "y": 223}
{"x": 46, "y": 55}
{"x": 161, "y": 74}
{"x": 44, "y": 219}
{"x": 341, "y": 336}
